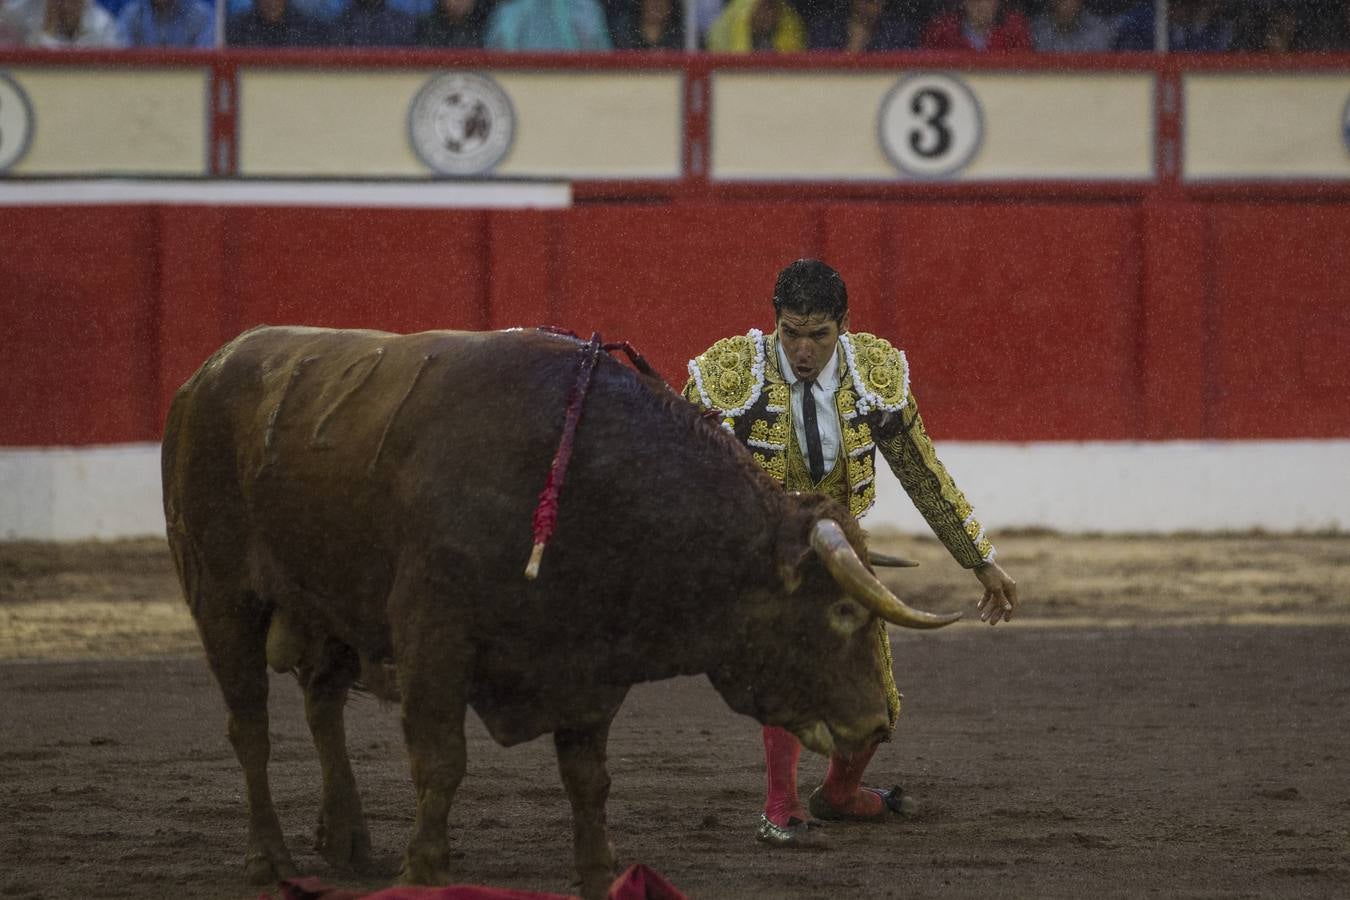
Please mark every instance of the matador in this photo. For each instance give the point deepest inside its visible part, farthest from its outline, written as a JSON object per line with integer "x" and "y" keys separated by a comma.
{"x": 813, "y": 402}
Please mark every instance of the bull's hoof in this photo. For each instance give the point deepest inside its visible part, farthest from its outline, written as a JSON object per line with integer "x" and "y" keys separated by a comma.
{"x": 262, "y": 867}
{"x": 344, "y": 848}
{"x": 595, "y": 887}
{"x": 425, "y": 868}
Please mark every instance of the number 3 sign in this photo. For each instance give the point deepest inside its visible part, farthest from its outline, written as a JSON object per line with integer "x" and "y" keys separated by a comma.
{"x": 930, "y": 125}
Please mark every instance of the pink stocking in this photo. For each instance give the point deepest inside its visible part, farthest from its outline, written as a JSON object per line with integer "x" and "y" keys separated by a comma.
{"x": 843, "y": 783}
{"x": 781, "y": 751}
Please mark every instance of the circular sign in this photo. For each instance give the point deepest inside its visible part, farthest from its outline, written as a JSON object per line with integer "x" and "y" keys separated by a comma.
{"x": 16, "y": 122}
{"x": 930, "y": 125}
{"x": 461, "y": 124}
{"x": 1345, "y": 125}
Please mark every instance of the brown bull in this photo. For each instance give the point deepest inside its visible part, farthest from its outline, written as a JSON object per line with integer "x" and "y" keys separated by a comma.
{"x": 356, "y": 507}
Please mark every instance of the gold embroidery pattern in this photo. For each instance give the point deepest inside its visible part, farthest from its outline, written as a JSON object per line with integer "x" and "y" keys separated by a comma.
{"x": 857, "y": 438}
{"x": 773, "y": 434}
{"x": 727, "y": 371}
{"x": 881, "y": 368}
{"x": 773, "y": 464}
{"x": 914, "y": 461}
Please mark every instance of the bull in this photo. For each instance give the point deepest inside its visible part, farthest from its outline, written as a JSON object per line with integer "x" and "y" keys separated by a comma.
{"x": 355, "y": 507}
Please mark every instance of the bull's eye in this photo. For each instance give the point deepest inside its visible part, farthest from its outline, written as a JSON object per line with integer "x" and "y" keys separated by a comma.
{"x": 846, "y": 617}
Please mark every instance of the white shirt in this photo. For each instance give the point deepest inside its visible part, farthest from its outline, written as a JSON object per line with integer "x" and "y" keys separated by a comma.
{"x": 827, "y": 415}
{"x": 97, "y": 27}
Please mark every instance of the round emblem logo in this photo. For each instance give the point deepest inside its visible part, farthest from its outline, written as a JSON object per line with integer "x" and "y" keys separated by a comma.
{"x": 461, "y": 124}
{"x": 930, "y": 125}
{"x": 16, "y": 122}
{"x": 1345, "y": 125}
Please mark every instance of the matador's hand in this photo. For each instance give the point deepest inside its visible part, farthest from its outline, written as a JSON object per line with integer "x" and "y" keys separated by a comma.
{"x": 1000, "y": 593}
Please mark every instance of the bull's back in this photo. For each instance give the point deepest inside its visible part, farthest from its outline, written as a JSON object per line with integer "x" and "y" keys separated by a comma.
{"x": 320, "y": 455}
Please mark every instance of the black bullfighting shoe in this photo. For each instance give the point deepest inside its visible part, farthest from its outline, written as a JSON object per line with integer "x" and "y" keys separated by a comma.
{"x": 894, "y": 802}
{"x": 796, "y": 834}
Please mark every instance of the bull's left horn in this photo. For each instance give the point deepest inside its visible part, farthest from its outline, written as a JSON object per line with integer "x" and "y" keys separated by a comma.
{"x": 832, "y": 546}
{"x": 885, "y": 559}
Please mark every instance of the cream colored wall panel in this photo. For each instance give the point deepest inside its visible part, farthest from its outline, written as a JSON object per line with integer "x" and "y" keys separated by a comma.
{"x": 567, "y": 125}
{"x": 782, "y": 125}
{"x": 595, "y": 125}
{"x": 797, "y": 126}
{"x": 1065, "y": 126}
{"x": 326, "y": 122}
{"x": 149, "y": 121}
{"x": 1267, "y": 126}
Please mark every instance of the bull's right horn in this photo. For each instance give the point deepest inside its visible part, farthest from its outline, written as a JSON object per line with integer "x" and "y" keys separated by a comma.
{"x": 832, "y": 546}
{"x": 885, "y": 559}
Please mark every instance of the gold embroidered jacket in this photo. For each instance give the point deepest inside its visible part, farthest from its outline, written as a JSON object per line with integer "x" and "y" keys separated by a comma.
{"x": 739, "y": 377}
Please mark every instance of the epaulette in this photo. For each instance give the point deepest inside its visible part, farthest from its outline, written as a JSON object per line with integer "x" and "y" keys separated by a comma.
{"x": 880, "y": 372}
{"x": 729, "y": 375}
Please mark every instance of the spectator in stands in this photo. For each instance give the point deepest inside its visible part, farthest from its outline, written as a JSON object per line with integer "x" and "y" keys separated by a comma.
{"x": 12, "y": 30}
{"x": 453, "y": 23}
{"x": 862, "y": 26}
{"x": 1066, "y": 27}
{"x": 372, "y": 23}
{"x": 1272, "y": 27}
{"x": 64, "y": 24}
{"x": 706, "y": 13}
{"x": 749, "y": 25}
{"x": 1136, "y": 28}
{"x": 649, "y": 25}
{"x": 979, "y": 25}
{"x": 274, "y": 23}
{"x": 1198, "y": 26}
{"x": 548, "y": 25}
{"x": 167, "y": 23}
{"x": 1335, "y": 32}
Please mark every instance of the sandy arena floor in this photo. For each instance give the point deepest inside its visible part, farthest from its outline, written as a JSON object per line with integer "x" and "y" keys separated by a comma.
{"x": 1169, "y": 717}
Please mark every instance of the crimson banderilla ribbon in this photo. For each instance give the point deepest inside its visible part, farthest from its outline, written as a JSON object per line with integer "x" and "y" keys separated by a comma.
{"x": 546, "y": 512}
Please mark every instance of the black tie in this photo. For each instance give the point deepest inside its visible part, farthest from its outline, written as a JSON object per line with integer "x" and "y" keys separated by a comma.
{"x": 815, "y": 456}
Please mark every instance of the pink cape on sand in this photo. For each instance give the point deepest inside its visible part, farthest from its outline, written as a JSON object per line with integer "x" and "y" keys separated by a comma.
{"x": 636, "y": 883}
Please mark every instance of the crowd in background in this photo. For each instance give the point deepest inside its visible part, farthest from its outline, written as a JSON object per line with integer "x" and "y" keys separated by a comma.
{"x": 728, "y": 26}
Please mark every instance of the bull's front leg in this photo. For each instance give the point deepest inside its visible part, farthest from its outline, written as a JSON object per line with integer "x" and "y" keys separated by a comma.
{"x": 581, "y": 761}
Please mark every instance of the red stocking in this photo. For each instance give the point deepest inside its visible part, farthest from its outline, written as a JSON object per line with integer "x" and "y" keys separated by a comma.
{"x": 843, "y": 783}
{"x": 781, "y": 751}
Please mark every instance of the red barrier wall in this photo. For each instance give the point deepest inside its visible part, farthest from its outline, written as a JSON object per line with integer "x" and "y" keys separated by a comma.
{"x": 1024, "y": 320}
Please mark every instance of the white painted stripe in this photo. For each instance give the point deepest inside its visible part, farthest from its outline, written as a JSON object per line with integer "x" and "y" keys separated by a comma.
{"x": 74, "y": 493}
{"x": 428, "y": 194}
{"x": 109, "y": 492}
{"x": 1139, "y": 487}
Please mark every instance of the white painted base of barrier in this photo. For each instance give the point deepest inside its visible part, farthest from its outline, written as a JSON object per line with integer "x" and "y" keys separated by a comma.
{"x": 110, "y": 492}
{"x": 74, "y": 493}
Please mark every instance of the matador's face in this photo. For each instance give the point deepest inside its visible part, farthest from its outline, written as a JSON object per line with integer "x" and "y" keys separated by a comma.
{"x": 809, "y": 341}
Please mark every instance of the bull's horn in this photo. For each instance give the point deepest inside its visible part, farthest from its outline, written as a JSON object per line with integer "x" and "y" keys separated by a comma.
{"x": 832, "y": 546}
{"x": 885, "y": 559}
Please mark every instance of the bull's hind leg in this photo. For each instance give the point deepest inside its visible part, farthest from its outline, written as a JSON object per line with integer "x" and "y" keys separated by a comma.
{"x": 341, "y": 833}
{"x": 581, "y": 761}
{"x": 233, "y": 630}
{"x": 433, "y": 658}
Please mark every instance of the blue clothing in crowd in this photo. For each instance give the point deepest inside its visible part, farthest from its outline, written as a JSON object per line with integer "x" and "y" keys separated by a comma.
{"x": 548, "y": 25}
{"x": 181, "y": 23}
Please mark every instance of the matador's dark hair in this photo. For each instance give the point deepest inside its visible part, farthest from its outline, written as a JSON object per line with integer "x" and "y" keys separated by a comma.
{"x": 809, "y": 287}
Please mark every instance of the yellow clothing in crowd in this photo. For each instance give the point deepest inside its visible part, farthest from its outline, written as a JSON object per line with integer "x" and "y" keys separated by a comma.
{"x": 731, "y": 33}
